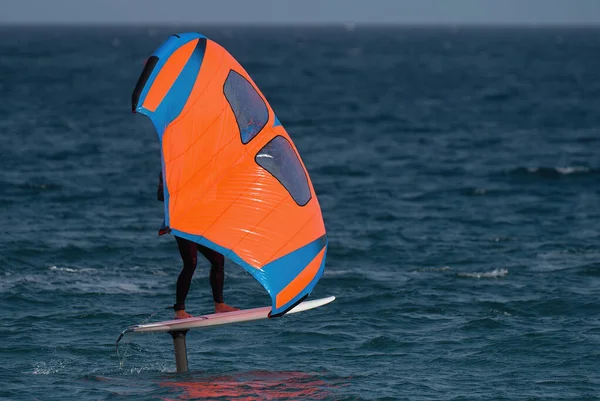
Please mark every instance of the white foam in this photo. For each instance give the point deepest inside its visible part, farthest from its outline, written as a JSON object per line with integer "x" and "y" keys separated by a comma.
{"x": 493, "y": 274}
{"x": 161, "y": 273}
{"x": 562, "y": 170}
{"x": 72, "y": 270}
{"x": 571, "y": 170}
{"x": 62, "y": 269}
{"x": 48, "y": 368}
{"x": 155, "y": 367}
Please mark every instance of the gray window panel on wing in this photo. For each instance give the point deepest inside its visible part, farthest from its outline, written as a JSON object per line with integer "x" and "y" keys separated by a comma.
{"x": 250, "y": 110}
{"x": 279, "y": 158}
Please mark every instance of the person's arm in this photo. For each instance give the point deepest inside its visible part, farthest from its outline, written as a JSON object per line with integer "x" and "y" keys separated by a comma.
{"x": 160, "y": 192}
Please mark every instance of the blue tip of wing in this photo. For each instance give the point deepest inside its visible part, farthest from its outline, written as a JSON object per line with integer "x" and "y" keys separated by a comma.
{"x": 173, "y": 103}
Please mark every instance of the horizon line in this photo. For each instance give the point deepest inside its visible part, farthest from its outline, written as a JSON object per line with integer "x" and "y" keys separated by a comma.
{"x": 426, "y": 24}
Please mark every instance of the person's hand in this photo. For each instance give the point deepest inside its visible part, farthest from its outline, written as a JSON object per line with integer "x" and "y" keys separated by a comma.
{"x": 181, "y": 314}
{"x": 223, "y": 307}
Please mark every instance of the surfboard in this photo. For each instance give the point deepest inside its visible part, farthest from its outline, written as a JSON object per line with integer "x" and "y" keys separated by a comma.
{"x": 217, "y": 319}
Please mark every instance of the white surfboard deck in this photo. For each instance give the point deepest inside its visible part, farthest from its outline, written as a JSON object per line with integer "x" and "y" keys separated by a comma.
{"x": 217, "y": 319}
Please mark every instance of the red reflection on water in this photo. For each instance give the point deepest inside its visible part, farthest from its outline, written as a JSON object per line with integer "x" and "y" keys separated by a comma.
{"x": 253, "y": 386}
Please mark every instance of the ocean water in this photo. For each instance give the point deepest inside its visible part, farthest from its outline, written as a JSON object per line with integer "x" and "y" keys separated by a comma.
{"x": 458, "y": 171}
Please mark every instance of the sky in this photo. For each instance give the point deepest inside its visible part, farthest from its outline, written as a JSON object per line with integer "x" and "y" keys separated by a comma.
{"x": 528, "y": 12}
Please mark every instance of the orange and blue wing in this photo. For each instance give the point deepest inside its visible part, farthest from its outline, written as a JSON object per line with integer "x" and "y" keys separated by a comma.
{"x": 234, "y": 180}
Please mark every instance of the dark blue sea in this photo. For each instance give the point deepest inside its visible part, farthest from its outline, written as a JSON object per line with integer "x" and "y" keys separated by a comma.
{"x": 458, "y": 171}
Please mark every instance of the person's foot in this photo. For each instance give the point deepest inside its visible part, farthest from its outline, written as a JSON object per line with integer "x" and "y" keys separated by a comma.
{"x": 181, "y": 314}
{"x": 223, "y": 307}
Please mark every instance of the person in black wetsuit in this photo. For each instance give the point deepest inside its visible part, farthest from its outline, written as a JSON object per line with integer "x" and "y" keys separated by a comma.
{"x": 189, "y": 252}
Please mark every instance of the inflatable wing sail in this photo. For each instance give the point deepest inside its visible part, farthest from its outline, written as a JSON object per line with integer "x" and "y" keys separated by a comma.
{"x": 233, "y": 179}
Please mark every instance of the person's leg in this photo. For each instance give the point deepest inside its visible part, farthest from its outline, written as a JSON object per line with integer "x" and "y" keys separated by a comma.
{"x": 217, "y": 271}
{"x": 189, "y": 256}
{"x": 217, "y": 277}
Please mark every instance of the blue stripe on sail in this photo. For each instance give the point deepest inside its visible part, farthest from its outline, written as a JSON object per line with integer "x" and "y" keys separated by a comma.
{"x": 279, "y": 273}
{"x": 305, "y": 292}
{"x": 228, "y": 253}
{"x": 282, "y": 271}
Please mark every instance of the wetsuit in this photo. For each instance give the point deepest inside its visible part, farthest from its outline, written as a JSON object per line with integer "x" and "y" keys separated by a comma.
{"x": 189, "y": 254}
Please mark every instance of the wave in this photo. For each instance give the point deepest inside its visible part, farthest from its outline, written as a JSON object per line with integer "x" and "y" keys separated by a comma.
{"x": 77, "y": 280}
{"x": 499, "y": 95}
{"x": 554, "y": 172}
{"x": 496, "y": 273}
{"x": 72, "y": 270}
{"x": 433, "y": 269}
